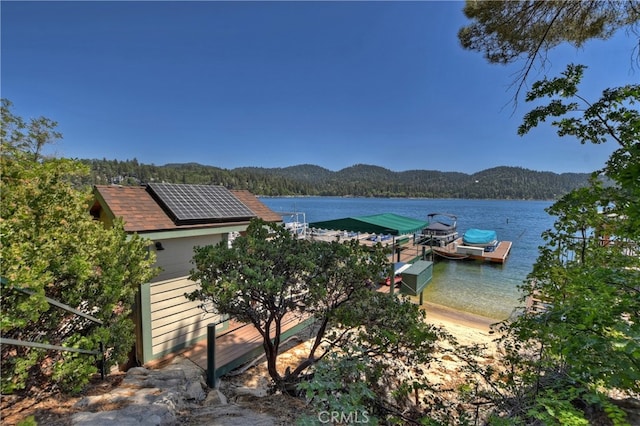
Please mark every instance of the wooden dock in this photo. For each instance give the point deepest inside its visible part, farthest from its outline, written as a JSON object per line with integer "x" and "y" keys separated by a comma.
{"x": 406, "y": 250}
{"x": 457, "y": 250}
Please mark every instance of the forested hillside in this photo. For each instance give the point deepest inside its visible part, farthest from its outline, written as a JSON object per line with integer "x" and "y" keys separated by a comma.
{"x": 360, "y": 180}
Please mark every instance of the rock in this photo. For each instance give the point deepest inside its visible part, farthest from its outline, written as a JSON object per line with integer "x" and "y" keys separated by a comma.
{"x": 175, "y": 394}
{"x": 215, "y": 397}
{"x": 195, "y": 391}
{"x": 245, "y": 391}
{"x": 134, "y": 415}
{"x": 230, "y": 415}
{"x": 137, "y": 371}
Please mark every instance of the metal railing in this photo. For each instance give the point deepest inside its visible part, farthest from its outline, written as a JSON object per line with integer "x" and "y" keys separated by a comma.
{"x": 98, "y": 353}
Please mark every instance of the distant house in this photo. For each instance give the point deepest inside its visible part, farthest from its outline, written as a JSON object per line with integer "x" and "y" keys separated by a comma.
{"x": 175, "y": 218}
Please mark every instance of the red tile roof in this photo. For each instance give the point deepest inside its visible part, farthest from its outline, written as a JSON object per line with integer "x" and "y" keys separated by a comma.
{"x": 256, "y": 206}
{"x": 141, "y": 213}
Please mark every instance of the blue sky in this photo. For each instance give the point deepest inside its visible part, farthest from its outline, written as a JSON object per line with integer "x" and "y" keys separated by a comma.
{"x": 276, "y": 84}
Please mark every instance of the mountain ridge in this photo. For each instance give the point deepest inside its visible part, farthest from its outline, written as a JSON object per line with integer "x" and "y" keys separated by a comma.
{"x": 365, "y": 180}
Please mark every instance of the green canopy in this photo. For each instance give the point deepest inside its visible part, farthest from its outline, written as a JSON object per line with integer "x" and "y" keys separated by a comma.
{"x": 385, "y": 223}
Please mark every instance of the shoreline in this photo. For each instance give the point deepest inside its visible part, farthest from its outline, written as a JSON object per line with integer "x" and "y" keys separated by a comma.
{"x": 466, "y": 327}
{"x": 444, "y": 313}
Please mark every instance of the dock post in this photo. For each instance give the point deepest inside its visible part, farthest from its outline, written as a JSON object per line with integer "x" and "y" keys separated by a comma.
{"x": 211, "y": 356}
{"x": 392, "y": 274}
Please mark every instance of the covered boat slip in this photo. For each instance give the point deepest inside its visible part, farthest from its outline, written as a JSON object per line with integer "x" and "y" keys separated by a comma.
{"x": 442, "y": 229}
{"x": 380, "y": 224}
{"x": 386, "y": 229}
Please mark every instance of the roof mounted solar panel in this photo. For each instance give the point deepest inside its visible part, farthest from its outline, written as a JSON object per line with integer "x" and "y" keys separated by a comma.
{"x": 193, "y": 204}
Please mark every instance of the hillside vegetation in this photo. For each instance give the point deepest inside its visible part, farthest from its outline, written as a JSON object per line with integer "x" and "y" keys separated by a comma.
{"x": 360, "y": 180}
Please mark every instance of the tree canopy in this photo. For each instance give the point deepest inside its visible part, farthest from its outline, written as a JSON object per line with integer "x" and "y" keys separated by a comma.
{"x": 508, "y": 31}
{"x": 52, "y": 248}
{"x": 579, "y": 339}
{"x": 376, "y": 343}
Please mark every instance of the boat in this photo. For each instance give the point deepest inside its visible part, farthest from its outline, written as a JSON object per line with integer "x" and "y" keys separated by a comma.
{"x": 295, "y": 223}
{"x": 441, "y": 230}
{"x": 487, "y": 239}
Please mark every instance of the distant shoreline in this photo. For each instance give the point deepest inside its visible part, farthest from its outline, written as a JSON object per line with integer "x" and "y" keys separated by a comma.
{"x": 405, "y": 197}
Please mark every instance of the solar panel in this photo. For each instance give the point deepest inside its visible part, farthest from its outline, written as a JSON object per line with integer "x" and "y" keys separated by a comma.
{"x": 199, "y": 203}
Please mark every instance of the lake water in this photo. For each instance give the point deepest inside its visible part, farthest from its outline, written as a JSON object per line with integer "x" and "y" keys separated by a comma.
{"x": 478, "y": 287}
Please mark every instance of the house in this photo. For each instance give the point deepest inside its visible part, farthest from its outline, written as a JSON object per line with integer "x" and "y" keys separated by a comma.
{"x": 175, "y": 218}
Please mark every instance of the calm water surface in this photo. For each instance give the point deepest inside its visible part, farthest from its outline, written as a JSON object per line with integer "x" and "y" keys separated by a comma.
{"x": 472, "y": 286}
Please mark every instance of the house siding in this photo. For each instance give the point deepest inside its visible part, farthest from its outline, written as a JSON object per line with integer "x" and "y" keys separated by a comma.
{"x": 174, "y": 322}
{"x": 175, "y": 259}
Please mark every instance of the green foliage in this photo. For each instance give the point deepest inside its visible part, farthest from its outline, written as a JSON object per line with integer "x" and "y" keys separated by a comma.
{"x": 557, "y": 409}
{"x": 369, "y": 350}
{"x": 340, "y": 386}
{"x": 268, "y": 274}
{"x": 382, "y": 367}
{"x": 29, "y": 421}
{"x": 559, "y": 406}
{"x": 507, "y": 30}
{"x": 52, "y": 247}
{"x": 584, "y": 339}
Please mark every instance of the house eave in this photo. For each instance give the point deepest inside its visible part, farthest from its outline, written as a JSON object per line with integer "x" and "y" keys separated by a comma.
{"x": 192, "y": 232}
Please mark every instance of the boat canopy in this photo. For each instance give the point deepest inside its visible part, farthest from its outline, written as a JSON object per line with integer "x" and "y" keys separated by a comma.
{"x": 385, "y": 224}
{"x": 439, "y": 226}
{"x": 479, "y": 236}
{"x": 450, "y": 224}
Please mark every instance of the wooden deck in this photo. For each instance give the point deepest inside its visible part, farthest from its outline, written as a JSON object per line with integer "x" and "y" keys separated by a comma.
{"x": 238, "y": 344}
{"x": 409, "y": 252}
{"x": 499, "y": 255}
{"x": 235, "y": 346}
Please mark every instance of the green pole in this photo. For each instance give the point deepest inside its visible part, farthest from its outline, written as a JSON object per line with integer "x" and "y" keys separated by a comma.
{"x": 392, "y": 275}
{"x": 211, "y": 355}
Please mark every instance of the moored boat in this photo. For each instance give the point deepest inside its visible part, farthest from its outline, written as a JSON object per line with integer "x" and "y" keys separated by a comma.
{"x": 441, "y": 230}
{"x": 487, "y": 239}
{"x": 478, "y": 244}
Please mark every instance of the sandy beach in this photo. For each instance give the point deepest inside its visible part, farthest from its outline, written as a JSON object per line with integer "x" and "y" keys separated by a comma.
{"x": 468, "y": 328}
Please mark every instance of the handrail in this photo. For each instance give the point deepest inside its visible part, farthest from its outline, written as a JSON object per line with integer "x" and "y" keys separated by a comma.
{"x": 61, "y": 306}
{"x": 99, "y": 352}
{"x": 5, "y": 341}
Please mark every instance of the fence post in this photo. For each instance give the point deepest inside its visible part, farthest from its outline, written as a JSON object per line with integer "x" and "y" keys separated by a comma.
{"x": 211, "y": 355}
{"x": 102, "y": 361}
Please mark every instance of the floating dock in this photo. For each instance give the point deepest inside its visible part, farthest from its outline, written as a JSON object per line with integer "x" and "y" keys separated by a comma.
{"x": 457, "y": 250}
